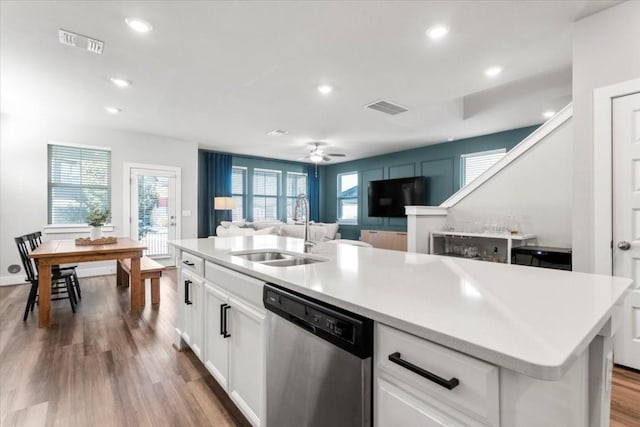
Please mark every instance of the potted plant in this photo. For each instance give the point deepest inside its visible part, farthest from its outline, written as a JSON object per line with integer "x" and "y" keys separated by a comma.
{"x": 96, "y": 218}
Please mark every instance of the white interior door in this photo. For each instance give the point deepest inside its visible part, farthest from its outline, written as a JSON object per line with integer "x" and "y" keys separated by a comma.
{"x": 626, "y": 222}
{"x": 154, "y": 219}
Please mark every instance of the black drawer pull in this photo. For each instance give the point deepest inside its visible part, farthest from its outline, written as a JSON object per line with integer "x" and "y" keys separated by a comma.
{"x": 187, "y": 299}
{"x": 222, "y": 306}
{"x": 189, "y": 263}
{"x": 226, "y": 308}
{"x": 448, "y": 384}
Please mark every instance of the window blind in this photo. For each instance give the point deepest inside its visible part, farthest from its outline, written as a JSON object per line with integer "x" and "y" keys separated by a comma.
{"x": 474, "y": 164}
{"x": 266, "y": 190}
{"x": 238, "y": 192}
{"x": 78, "y": 178}
{"x": 296, "y": 184}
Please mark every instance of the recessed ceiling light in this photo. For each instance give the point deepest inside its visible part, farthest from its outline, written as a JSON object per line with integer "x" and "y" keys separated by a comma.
{"x": 493, "y": 71}
{"x": 548, "y": 114}
{"x": 325, "y": 89}
{"x": 278, "y": 132}
{"x": 120, "y": 82}
{"x": 450, "y": 139}
{"x": 112, "y": 110}
{"x": 139, "y": 25}
{"x": 437, "y": 32}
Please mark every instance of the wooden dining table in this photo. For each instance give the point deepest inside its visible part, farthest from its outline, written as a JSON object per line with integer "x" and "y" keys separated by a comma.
{"x": 66, "y": 251}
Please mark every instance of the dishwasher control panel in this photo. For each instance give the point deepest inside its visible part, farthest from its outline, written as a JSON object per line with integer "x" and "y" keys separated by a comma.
{"x": 344, "y": 329}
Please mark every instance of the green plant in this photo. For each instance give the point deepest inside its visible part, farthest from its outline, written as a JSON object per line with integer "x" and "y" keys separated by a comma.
{"x": 97, "y": 216}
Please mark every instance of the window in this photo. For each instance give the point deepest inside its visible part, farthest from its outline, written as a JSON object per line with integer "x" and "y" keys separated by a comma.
{"x": 78, "y": 179}
{"x": 473, "y": 165}
{"x": 296, "y": 184}
{"x": 348, "y": 198}
{"x": 266, "y": 189}
{"x": 238, "y": 192}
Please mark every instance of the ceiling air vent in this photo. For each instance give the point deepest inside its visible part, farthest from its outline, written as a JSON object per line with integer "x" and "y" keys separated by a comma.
{"x": 387, "y": 107}
{"x": 83, "y": 42}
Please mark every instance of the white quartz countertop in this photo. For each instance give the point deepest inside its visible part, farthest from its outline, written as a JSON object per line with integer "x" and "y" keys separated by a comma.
{"x": 532, "y": 320}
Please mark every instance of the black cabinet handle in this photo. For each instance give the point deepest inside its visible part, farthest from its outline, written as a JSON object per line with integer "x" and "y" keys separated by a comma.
{"x": 189, "y": 263}
{"x": 187, "y": 300}
{"x": 222, "y": 322}
{"x": 448, "y": 384}
{"x": 225, "y": 309}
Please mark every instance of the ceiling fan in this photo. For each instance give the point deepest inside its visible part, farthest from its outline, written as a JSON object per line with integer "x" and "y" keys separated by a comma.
{"x": 317, "y": 154}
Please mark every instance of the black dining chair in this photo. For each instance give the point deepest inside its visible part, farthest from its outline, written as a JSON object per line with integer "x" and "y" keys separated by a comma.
{"x": 35, "y": 239}
{"x": 61, "y": 281}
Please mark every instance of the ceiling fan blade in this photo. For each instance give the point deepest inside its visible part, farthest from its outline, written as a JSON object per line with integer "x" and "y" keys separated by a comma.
{"x": 326, "y": 158}
{"x": 336, "y": 154}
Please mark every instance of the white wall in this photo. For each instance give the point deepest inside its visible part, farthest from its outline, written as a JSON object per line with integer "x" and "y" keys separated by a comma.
{"x": 23, "y": 176}
{"x": 536, "y": 188}
{"x": 606, "y": 51}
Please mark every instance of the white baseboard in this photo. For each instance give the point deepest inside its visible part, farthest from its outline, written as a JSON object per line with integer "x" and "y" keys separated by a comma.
{"x": 18, "y": 279}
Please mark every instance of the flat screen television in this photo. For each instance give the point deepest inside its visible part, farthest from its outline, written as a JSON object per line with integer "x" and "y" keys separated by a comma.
{"x": 388, "y": 197}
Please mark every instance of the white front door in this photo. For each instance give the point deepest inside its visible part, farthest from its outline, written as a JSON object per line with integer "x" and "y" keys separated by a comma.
{"x": 626, "y": 222}
{"x": 153, "y": 211}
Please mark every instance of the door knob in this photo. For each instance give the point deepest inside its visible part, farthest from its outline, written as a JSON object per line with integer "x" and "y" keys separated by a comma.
{"x": 623, "y": 245}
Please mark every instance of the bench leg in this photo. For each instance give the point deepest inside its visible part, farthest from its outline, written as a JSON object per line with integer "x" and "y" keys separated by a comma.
{"x": 122, "y": 276}
{"x": 155, "y": 290}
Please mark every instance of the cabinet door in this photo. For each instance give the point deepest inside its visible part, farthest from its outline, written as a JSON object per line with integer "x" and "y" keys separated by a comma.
{"x": 247, "y": 326}
{"x": 397, "y": 407}
{"x": 193, "y": 312}
{"x": 216, "y": 346}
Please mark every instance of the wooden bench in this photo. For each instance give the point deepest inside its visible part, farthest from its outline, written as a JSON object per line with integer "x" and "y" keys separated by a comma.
{"x": 149, "y": 269}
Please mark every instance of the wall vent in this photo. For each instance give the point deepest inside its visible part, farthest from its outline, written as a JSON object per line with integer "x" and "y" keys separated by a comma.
{"x": 387, "y": 107}
{"x": 82, "y": 42}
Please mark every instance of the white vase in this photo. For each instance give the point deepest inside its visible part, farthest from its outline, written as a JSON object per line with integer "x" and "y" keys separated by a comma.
{"x": 96, "y": 232}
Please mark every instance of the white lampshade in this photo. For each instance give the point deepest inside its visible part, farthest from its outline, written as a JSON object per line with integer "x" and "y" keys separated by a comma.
{"x": 224, "y": 203}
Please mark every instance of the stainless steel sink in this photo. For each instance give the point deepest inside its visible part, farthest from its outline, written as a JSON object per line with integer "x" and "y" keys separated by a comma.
{"x": 263, "y": 256}
{"x": 289, "y": 262}
{"x": 276, "y": 258}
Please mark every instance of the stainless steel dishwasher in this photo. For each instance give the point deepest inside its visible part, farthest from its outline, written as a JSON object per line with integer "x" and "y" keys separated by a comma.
{"x": 319, "y": 361}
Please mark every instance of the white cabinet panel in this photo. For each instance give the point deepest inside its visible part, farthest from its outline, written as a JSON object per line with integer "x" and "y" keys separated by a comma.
{"x": 192, "y": 302}
{"x": 216, "y": 351}
{"x": 395, "y": 407}
{"x": 247, "y": 359}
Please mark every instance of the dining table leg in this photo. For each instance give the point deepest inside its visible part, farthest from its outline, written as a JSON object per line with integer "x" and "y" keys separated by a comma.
{"x": 137, "y": 296}
{"x": 44, "y": 294}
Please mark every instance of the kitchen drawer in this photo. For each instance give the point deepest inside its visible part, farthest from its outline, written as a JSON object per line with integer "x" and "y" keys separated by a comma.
{"x": 192, "y": 263}
{"x": 476, "y": 393}
{"x": 246, "y": 287}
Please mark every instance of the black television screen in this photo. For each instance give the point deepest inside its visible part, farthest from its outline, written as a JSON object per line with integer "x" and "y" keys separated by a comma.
{"x": 388, "y": 197}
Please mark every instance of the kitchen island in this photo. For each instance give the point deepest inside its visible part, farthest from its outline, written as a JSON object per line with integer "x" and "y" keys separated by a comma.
{"x": 536, "y": 342}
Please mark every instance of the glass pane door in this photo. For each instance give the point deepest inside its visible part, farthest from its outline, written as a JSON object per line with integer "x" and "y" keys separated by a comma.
{"x": 153, "y": 217}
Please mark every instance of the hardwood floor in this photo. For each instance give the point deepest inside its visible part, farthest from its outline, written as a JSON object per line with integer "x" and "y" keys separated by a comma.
{"x": 625, "y": 398}
{"x": 103, "y": 366}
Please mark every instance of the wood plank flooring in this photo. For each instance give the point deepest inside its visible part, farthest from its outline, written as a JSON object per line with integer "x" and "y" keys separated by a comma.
{"x": 103, "y": 366}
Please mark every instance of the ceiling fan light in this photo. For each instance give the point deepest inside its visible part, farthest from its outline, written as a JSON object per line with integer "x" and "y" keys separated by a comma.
{"x": 315, "y": 158}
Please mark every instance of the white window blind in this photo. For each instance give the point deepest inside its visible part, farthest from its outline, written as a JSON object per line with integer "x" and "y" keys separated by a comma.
{"x": 238, "y": 192}
{"x": 474, "y": 164}
{"x": 296, "y": 184}
{"x": 78, "y": 178}
{"x": 266, "y": 189}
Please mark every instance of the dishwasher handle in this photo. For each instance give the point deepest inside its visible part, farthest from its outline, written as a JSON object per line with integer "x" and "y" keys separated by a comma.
{"x": 304, "y": 325}
{"x": 448, "y": 384}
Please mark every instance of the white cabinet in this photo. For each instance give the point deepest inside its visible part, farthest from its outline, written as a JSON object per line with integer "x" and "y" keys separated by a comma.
{"x": 247, "y": 358}
{"x": 216, "y": 354}
{"x": 192, "y": 311}
{"x": 420, "y": 383}
{"x": 235, "y": 337}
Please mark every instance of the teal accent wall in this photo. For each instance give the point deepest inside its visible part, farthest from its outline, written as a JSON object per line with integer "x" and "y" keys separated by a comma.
{"x": 440, "y": 163}
{"x": 252, "y": 163}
